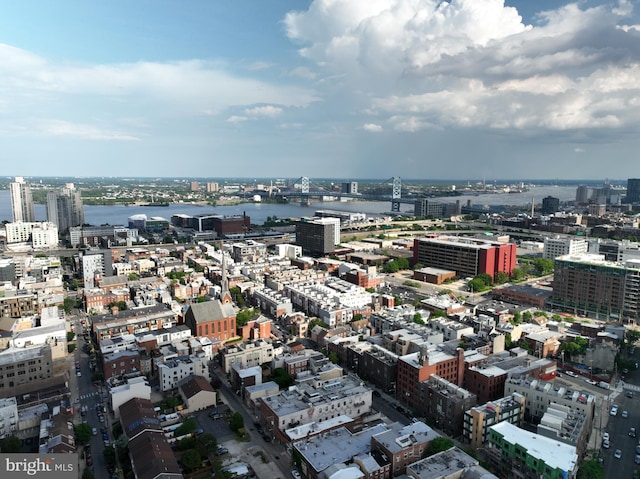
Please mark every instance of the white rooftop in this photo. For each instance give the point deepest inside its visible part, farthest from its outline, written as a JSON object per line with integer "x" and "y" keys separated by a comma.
{"x": 553, "y": 453}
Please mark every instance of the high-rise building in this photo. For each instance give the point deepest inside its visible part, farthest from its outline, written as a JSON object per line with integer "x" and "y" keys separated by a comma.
{"x": 350, "y": 187}
{"x": 65, "y": 208}
{"x": 426, "y": 208}
{"x": 633, "y": 190}
{"x": 468, "y": 257}
{"x": 22, "y": 201}
{"x": 590, "y": 285}
{"x": 582, "y": 194}
{"x": 550, "y": 205}
{"x": 318, "y": 236}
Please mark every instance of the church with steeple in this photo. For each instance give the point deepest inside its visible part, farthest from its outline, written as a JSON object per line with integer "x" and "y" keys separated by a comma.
{"x": 214, "y": 318}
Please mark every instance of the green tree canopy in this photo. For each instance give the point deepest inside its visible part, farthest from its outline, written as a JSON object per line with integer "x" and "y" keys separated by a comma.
{"x": 245, "y": 315}
{"x": 439, "y": 444}
{"x": 543, "y": 266}
{"x": 501, "y": 277}
{"x": 186, "y": 427}
{"x": 10, "y": 444}
{"x": 191, "y": 460}
{"x": 632, "y": 336}
{"x": 236, "y": 422}
{"x": 83, "y": 433}
{"x": 590, "y": 469}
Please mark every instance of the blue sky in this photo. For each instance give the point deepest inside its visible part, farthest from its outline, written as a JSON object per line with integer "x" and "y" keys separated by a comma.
{"x": 420, "y": 89}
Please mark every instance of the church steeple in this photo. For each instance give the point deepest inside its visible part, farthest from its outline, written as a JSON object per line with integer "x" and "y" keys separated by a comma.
{"x": 225, "y": 295}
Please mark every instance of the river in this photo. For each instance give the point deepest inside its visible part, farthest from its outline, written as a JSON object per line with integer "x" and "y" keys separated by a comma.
{"x": 258, "y": 212}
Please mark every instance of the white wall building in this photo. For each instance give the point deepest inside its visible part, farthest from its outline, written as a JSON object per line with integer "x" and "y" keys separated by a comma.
{"x": 554, "y": 247}
{"x": 171, "y": 372}
{"x": 134, "y": 388}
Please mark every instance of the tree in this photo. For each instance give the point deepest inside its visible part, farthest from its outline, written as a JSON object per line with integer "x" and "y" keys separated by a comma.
{"x": 68, "y": 304}
{"x": 632, "y": 336}
{"x": 517, "y": 274}
{"x": 70, "y": 335}
{"x": 10, "y": 444}
{"x": 439, "y": 444}
{"x": 417, "y": 318}
{"x": 501, "y": 277}
{"x": 71, "y": 348}
{"x": 191, "y": 460}
{"x": 333, "y": 357}
{"x": 282, "y": 378}
{"x": 133, "y": 277}
{"x": 83, "y": 433}
{"x": 476, "y": 285}
{"x": 486, "y": 278}
{"x": 87, "y": 474}
{"x": 590, "y": 470}
{"x": 526, "y": 316}
{"x": 187, "y": 427}
{"x": 244, "y": 316}
{"x": 236, "y": 422}
{"x": 517, "y": 317}
{"x": 543, "y": 266}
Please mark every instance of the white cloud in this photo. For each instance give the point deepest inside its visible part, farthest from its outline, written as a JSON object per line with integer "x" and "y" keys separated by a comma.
{"x": 237, "y": 119}
{"x": 263, "y": 111}
{"x": 303, "y": 72}
{"x": 372, "y": 127}
{"x": 474, "y": 64}
{"x": 578, "y": 150}
{"x": 153, "y": 92}
{"x": 76, "y": 130}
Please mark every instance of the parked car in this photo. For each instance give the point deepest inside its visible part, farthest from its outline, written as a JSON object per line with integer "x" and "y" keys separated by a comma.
{"x": 295, "y": 474}
{"x": 605, "y": 444}
{"x": 625, "y": 414}
{"x": 94, "y": 431}
{"x": 605, "y": 436}
{"x": 629, "y": 394}
{"x": 221, "y": 450}
{"x": 614, "y": 411}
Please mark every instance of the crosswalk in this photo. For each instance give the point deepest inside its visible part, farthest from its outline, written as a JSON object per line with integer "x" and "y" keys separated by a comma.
{"x": 632, "y": 387}
{"x": 89, "y": 396}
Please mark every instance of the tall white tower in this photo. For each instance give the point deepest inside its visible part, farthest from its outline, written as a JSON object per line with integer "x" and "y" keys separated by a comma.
{"x": 21, "y": 201}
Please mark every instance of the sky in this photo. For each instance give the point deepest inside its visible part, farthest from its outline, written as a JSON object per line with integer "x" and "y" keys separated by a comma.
{"x": 420, "y": 89}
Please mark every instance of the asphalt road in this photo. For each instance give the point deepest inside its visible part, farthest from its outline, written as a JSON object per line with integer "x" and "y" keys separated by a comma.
{"x": 84, "y": 393}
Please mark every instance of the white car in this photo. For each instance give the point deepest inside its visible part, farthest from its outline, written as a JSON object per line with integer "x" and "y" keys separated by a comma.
{"x": 625, "y": 414}
{"x": 614, "y": 411}
{"x": 606, "y": 444}
{"x": 605, "y": 436}
{"x": 295, "y": 474}
{"x": 617, "y": 454}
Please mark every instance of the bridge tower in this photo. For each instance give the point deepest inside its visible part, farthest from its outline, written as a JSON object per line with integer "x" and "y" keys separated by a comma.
{"x": 304, "y": 189}
{"x": 396, "y": 194}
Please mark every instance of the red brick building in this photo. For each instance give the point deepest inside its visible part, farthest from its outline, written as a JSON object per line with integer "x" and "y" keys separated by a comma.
{"x": 468, "y": 257}
{"x": 418, "y": 367}
{"x": 213, "y": 319}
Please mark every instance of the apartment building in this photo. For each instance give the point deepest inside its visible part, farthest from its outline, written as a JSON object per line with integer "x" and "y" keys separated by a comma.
{"x": 539, "y": 394}
{"x": 171, "y": 372}
{"x": 314, "y": 403}
{"x": 518, "y": 453}
{"x": 19, "y": 366}
{"x": 248, "y": 354}
{"x": 444, "y": 404}
{"x": 417, "y": 367}
{"x": 589, "y": 285}
{"x": 477, "y": 420}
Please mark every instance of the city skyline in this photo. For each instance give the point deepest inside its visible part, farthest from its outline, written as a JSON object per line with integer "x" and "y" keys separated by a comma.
{"x": 347, "y": 89}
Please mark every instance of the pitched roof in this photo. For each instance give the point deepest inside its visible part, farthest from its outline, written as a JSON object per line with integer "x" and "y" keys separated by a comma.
{"x": 211, "y": 311}
{"x": 194, "y": 384}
